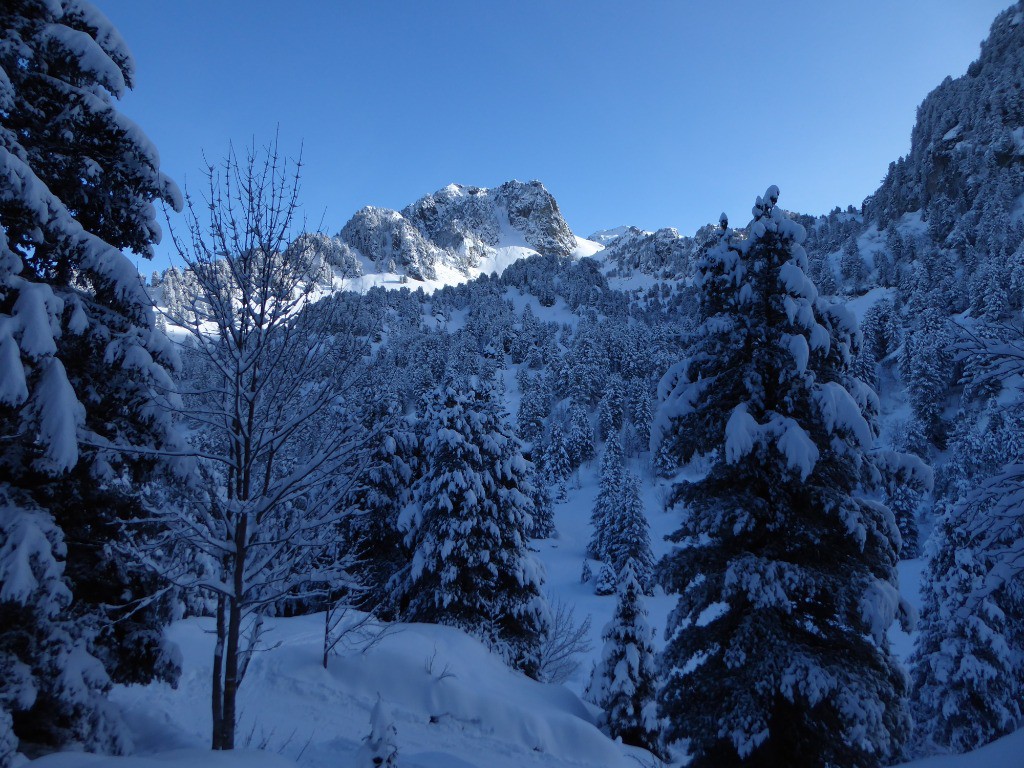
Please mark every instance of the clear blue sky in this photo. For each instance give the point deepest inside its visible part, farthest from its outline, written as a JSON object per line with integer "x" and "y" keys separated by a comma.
{"x": 645, "y": 112}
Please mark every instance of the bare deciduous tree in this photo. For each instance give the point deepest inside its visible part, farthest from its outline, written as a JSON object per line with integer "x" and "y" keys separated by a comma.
{"x": 273, "y": 371}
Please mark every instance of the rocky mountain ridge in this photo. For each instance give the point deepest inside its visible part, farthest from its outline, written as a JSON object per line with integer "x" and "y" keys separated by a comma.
{"x": 459, "y": 227}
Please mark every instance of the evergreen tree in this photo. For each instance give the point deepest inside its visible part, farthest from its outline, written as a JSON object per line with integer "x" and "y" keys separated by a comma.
{"x": 606, "y": 580}
{"x": 967, "y": 668}
{"x": 880, "y": 329}
{"x": 607, "y": 505}
{"x": 629, "y": 540}
{"x": 533, "y": 407}
{"x": 81, "y": 360}
{"x": 611, "y": 408}
{"x": 371, "y": 534}
{"x": 542, "y": 525}
{"x": 851, "y": 266}
{"x": 904, "y": 501}
{"x": 468, "y": 527}
{"x": 557, "y": 466}
{"x": 624, "y": 682}
{"x": 926, "y": 362}
{"x": 777, "y": 651}
{"x": 379, "y": 749}
{"x": 966, "y": 671}
{"x": 579, "y": 436}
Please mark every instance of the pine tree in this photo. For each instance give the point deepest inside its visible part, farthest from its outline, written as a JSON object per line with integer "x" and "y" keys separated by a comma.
{"x": 607, "y": 505}
{"x": 606, "y": 581}
{"x": 926, "y": 362}
{"x": 851, "y": 266}
{"x": 624, "y": 682}
{"x": 52, "y": 689}
{"x": 372, "y": 534}
{"x": 81, "y": 360}
{"x": 777, "y": 651}
{"x": 611, "y": 408}
{"x": 542, "y": 525}
{"x": 379, "y": 749}
{"x": 557, "y": 466}
{"x": 579, "y": 437}
{"x": 468, "y": 527}
{"x": 966, "y": 672}
{"x": 629, "y": 540}
{"x": 533, "y": 407}
{"x": 904, "y": 501}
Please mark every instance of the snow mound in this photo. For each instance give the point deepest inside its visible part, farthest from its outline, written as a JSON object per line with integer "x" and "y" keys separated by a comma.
{"x": 454, "y": 703}
{"x": 1007, "y": 752}
{"x": 182, "y": 758}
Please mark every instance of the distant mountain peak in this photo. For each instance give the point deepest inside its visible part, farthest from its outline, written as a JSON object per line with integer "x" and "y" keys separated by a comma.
{"x": 460, "y": 228}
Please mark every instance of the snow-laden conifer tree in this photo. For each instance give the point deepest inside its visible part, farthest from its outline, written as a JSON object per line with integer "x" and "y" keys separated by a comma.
{"x": 620, "y": 529}
{"x": 82, "y": 364}
{"x": 379, "y": 749}
{"x": 606, "y": 581}
{"x": 785, "y": 565}
{"x": 542, "y": 521}
{"x": 968, "y": 665}
{"x": 579, "y": 435}
{"x": 611, "y": 409}
{"x": 624, "y": 682}
{"x": 926, "y": 361}
{"x": 629, "y": 541}
{"x": 533, "y": 407}
{"x": 468, "y": 526}
{"x": 966, "y": 670}
{"x": 557, "y": 466}
{"x": 607, "y": 505}
{"x": 903, "y": 500}
{"x": 382, "y": 489}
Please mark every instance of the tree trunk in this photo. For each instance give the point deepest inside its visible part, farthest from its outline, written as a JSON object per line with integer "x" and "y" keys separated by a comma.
{"x": 218, "y": 678}
{"x": 231, "y": 672}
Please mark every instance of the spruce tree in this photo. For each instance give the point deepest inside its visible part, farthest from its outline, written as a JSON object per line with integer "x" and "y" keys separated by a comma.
{"x": 966, "y": 672}
{"x": 371, "y": 534}
{"x": 468, "y": 526}
{"x": 81, "y": 360}
{"x": 557, "y": 466}
{"x": 629, "y": 540}
{"x": 624, "y": 682}
{"x": 379, "y": 749}
{"x": 611, "y": 409}
{"x": 607, "y": 504}
{"x": 967, "y": 669}
{"x": 579, "y": 436}
{"x": 926, "y": 362}
{"x": 777, "y": 651}
{"x": 533, "y": 407}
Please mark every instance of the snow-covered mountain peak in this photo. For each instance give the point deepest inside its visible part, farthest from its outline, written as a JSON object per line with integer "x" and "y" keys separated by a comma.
{"x": 458, "y": 232}
{"x": 605, "y": 236}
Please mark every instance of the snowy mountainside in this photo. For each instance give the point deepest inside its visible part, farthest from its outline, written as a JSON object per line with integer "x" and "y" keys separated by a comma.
{"x": 967, "y": 139}
{"x": 664, "y": 253}
{"x": 605, "y": 236}
{"x": 461, "y": 229}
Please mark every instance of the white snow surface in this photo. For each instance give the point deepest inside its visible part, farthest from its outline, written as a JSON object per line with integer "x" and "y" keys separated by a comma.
{"x": 509, "y": 250}
{"x": 484, "y": 715}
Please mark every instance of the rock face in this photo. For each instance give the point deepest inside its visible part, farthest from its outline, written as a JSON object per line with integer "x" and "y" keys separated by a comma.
{"x": 664, "y": 253}
{"x": 967, "y": 146}
{"x": 459, "y": 227}
{"x": 391, "y": 242}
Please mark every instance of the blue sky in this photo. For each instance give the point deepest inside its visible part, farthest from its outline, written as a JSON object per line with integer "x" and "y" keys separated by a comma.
{"x": 651, "y": 113}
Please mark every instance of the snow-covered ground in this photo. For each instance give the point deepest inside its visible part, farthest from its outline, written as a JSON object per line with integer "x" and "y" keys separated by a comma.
{"x": 455, "y": 705}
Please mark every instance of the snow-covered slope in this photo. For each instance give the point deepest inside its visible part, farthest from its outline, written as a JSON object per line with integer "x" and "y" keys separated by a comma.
{"x": 458, "y": 233}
